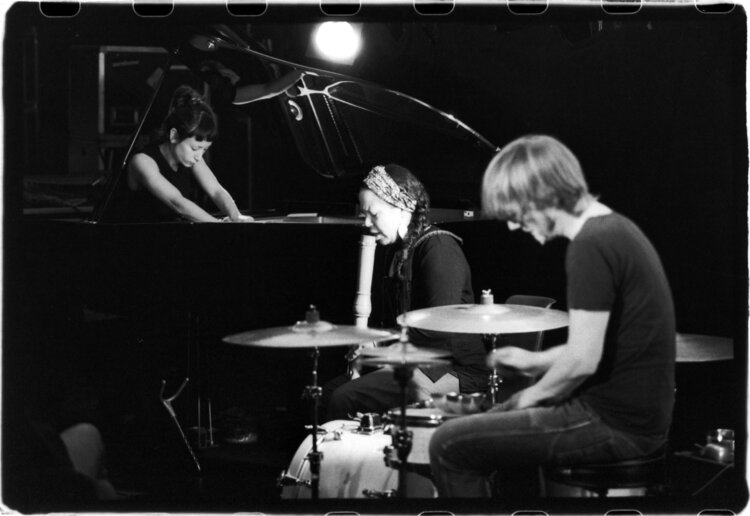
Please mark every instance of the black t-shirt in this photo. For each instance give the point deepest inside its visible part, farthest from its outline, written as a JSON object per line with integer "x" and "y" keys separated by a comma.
{"x": 438, "y": 274}
{"x": 612, "y": 266}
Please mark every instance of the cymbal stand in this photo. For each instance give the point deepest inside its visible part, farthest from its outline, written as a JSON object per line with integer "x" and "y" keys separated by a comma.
{"x": 167, "y": 402}
{"x": 490, "y": 344}
{"x": 402, "y": 438}
{"x": 495, "y": 380}
{"x": 313, "y": 392}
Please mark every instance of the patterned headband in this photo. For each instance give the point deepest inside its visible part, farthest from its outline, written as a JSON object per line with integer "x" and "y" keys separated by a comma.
{"x": 383, "y": 185}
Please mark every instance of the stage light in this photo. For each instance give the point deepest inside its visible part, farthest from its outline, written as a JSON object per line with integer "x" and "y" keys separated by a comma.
{"x": 337, "y": 41}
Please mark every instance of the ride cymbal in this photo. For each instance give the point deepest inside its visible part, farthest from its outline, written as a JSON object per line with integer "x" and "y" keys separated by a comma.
{"x": 485, "y": 318}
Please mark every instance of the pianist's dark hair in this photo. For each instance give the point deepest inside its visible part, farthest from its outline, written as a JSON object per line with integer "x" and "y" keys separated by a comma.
{"x": 408, "y": 182}
{"x": 190, "y": 115}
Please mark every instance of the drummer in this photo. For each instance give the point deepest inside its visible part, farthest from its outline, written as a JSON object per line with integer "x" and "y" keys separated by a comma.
{"x": 425, "y": 267}
{"x": 607, "y": 394}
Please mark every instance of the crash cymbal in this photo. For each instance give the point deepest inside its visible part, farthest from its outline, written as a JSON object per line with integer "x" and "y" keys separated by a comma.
{"x": 485, "y": 318}
{"x": 703, "y": 348}
{"x": 319, "y": 334}
{"x": 401, "y": 349}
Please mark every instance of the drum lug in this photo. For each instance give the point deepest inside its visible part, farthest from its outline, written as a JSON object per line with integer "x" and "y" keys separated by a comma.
{"x": 287, "y": 480}
{"x": 372, "y": 493}
{"x": 390, "y": 457}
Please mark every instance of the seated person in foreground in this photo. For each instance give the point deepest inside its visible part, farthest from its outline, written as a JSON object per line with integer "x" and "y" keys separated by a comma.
{"x": 607, "y": 394}
{"x": 426, "y": 268}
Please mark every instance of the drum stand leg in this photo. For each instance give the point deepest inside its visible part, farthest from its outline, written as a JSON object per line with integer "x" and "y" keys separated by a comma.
{"x": 167, "y": 402}
{"x": 402, "y": 438}
{"x": 314, "y": 392}
{"x": 490, "y": 344}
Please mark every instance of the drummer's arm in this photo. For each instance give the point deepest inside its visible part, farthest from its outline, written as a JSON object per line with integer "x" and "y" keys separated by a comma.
{"x": 567, "y": 366}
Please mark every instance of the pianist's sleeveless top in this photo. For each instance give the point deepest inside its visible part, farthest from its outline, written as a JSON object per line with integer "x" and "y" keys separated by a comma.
{"x": 141, "y": 206}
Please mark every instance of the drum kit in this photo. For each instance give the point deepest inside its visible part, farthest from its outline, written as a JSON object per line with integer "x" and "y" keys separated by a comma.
{"x": 486, "y": 318}
{"x": 402, "y": 356}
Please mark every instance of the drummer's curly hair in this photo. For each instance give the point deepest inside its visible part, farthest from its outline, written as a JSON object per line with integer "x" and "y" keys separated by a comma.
{"x": 190, "y": 115}
{"x": 407, "y": 181}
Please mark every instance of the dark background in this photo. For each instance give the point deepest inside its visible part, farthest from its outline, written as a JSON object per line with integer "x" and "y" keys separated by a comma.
{"x": 652, "y": 103}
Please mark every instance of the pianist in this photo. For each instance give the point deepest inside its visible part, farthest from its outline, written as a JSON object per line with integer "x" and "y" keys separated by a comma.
{"x": 164, "y": 180}
{"x": 427, "y": 268}
{"x": 607, "y": 394}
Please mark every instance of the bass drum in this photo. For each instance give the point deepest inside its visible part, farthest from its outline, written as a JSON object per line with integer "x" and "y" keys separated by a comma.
{"x": 353, "y": 466}
{"x": 422, "y": 423}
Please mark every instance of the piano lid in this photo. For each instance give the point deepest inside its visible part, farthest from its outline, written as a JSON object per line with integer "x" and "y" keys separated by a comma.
{"x": 344, "y": 125}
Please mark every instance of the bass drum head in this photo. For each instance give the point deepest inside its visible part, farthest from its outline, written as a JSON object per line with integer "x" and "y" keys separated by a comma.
{"x": 353, "y": 463}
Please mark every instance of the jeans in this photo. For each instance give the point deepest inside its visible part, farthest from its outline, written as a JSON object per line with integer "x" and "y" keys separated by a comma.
{"x": 465, "y": 451}
{"x": 379, "y": 392}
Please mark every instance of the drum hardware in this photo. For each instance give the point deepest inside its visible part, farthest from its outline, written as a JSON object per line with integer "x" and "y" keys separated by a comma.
{"x": 312, "y": 334}
{"x": 167, "y": 402}
{"x": 403, "y": 357}
{"x": 456, "y": 403}
{"x": 489, "y": 340}
{"x": 287, "y": 480}
{"x": 370, "y": 422}
{"x": 353, "y": 467}
{"x": 488, "y": 319}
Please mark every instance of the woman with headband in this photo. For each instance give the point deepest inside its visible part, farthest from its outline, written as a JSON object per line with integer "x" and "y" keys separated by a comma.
{"x": 425, "y": 267}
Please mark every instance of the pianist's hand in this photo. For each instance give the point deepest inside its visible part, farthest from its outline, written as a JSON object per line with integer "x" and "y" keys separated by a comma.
{"x": 241, "y": 218}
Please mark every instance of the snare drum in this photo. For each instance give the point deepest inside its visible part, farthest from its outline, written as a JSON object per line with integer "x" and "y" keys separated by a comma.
{"x": 353, "y": 466}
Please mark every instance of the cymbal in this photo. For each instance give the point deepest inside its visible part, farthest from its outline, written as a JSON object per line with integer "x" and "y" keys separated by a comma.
{"x": 318, "y": 334}
{"x": 404, "y": 361}
{"x": 485, "y": 318}
{"x": 401, "y": 349}
{"x": 703, "y": 348}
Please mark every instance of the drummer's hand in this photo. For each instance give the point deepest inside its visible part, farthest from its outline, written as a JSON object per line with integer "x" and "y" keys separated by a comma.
{"x": 518, "y": 400}
{"x": 514, "y": 359}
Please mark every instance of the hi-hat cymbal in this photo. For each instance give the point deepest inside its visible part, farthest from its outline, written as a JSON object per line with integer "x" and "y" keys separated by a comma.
{"x": 318, "y": 334}
{"x": 402, "y": 349}
{"x": 485, "y": 318}
{"x": 414, "y": 360}
{"x": 703, "y": 348}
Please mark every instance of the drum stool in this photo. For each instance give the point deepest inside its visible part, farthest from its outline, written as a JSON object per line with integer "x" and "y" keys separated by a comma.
{"x": 635, "y": 477}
